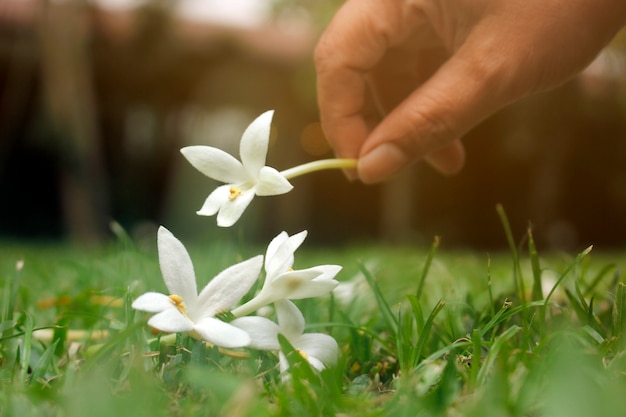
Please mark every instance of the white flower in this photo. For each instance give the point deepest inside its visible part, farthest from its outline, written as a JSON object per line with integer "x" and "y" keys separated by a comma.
{"x": 282, "y": 282}
{"x": 320, "y": 350}
{"x": 186, "y": 311}
{"x": 243, "y": 179}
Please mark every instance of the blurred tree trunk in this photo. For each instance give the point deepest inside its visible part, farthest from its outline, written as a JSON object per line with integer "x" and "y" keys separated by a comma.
{"x": 70, "y": 106}
{"x": 397, "y": 207}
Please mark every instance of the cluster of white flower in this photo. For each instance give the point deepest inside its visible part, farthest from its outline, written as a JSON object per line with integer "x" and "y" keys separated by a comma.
{"x": 186, "y": 311}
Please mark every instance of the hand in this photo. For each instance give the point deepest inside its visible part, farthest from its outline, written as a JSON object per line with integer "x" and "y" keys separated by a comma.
{"x": 402, "y": 80}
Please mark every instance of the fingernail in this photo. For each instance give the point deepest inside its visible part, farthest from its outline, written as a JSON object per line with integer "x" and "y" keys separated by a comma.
{"x": 381, "y": 162}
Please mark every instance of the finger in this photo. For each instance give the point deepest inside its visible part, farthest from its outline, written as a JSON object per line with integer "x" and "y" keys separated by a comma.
{"x": 353, "y": 44}
{"x": 402, "y": 70}
{"x": 458, "y": 96}
{"x": 389, "y": 159}
{"x": 448, "y": 160}
{"x": 370, "y": 117}
{"x": 341, "y": 62}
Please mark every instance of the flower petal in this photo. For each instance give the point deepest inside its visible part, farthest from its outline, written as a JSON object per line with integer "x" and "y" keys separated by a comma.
{"x": 254, "y": 142}
{"x": 307, "y": 283}
{"x": 290, "y": 319}
{"x": 328, "y": 272}
{"x": 299, "y": 284}
{"x": 228, "y": 287}
{"x": 221, "y": 334}
{"x": 320, "y": 346}
{"x": 282, "y": 257}
{"x": 176, "y": 267}
{"x": 215, "y": 201}
{"x": 263, "y": 332}
{"x": 152, "y": 302}
{"x": 315, "y": 363}
{"x": 283, "y": 364}
{"x": 311, "y": 289}
{"x": 215, "y": 163}
{"x": 272, "y": 182}
{"x": 171, "y": 321}
{"x": 274, "y": 245}
{"x": 232, "y": 210}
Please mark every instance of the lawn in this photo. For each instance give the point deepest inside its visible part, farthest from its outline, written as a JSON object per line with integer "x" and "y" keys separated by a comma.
{"x": 421, "y": 331}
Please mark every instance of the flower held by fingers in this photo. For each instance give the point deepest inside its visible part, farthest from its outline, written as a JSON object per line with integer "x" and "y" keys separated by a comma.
{"x": 184, "y": 310}
{"x": 320, "y": 350}
{"x": 243, "y": 179}
{"x": 282, "y": 282}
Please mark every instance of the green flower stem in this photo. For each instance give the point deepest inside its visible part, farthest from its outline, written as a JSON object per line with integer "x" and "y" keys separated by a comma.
{"x": 166, "y": 339}
{"x": 322, "y": 164}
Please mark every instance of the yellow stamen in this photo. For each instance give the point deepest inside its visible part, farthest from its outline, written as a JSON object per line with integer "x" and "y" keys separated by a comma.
{"x": 303, "y": 354}
{"x": 234, "y": 193}
{"x": 178, "y": 302}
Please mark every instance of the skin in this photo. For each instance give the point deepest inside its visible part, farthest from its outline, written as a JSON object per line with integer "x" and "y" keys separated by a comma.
{"x": 404, "y": 80}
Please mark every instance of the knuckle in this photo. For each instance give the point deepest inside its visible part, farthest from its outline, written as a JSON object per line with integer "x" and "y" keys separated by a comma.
{"x": 430, "y": 129}
{"x": 324, "y": 56}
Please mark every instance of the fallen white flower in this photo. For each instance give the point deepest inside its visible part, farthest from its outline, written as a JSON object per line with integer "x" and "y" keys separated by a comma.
{"x": 186, "y": 311}
{"x": 319, "y": 349}
{"x": 282, "y": 282}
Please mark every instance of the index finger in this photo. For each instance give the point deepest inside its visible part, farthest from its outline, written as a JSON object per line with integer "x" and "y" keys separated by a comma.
{"x": 350, "y": 47}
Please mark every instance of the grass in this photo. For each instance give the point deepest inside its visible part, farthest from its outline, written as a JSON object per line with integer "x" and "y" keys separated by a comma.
{"x": 422, "y": 331}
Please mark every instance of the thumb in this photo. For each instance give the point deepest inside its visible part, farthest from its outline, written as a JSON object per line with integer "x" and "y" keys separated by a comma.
{"x": 428, "y": 123}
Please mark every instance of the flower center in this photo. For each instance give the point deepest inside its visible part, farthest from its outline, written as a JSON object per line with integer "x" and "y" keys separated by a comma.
{"x": 179, "y": 303}
{"x": 234, "y": 193}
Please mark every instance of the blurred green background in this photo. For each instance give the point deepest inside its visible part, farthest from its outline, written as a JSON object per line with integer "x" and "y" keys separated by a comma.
{"x": 97, "y": 98}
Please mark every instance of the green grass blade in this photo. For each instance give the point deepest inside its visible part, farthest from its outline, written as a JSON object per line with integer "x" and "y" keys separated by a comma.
{"x": 429, "y": 260}
{"x": 424, "y": 333}
{"x": 358, "y": 328}
{"x": 496, "y": 319}
{"x": 44, "y": 363}
{"x": 9, "y": 295}
{"x": 577, "y": 261}
{"x": 115, "y": 342}
{"x": 477, "y": 348}
{"x": 492, "y": 304}
{"x": 582, "y": 310}
{"x": 494, "y": 351}
{"x": 440, "y": 353}
{"x": 28, "y": 340}
{"x": 517, "y": 270}
{"x": 416, "y": 309}
{"x": 388, "y": 315}
{"x": 619, "y": 316}
{"x": 404, "y": 340}
{"x": 505, "y": 314}
{"x": 597, "y": 337}
{"x": 600, "y": 277}
{"x": 537, "y": 292}
{"x": 589, "y": 318}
